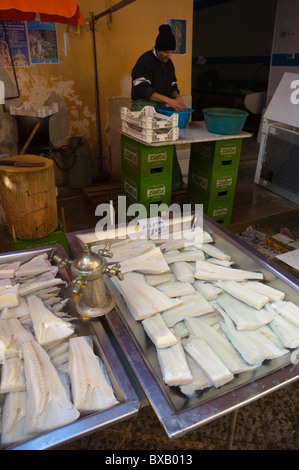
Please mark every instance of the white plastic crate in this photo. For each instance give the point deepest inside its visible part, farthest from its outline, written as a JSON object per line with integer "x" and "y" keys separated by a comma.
{"x": 148, "y": 118}
{"x": 28, "y": 109}
{"x": 150, "y": 135}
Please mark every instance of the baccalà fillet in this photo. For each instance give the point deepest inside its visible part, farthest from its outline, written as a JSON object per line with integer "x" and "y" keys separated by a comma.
{"x": 13, "y": 418}
{"x": 48, "y": 406}
{"x": 48, "y": 328}
{"x": 90, "y": 389}
{"x": 143, "y": 300}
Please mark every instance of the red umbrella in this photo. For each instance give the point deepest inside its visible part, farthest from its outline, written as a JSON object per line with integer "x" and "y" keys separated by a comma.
{"x": 56, "y": 11}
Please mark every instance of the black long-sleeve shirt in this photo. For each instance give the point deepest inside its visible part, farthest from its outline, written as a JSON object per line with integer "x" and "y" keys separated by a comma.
{"x": 149, "y": 75}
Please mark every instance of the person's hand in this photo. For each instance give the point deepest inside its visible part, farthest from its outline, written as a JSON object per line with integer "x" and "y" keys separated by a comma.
{"x": 178, "y": 104}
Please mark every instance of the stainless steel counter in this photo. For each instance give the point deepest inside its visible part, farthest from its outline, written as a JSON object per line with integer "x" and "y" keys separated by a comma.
{"x": 177, "y": 413}
{"x": 129, "y": 403}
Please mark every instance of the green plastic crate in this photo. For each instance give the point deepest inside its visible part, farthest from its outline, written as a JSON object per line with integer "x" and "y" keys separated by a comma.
{"x": 220, "y": 211}
{"x": 145, "y": 161}
{"x": 216, "y": 155}
{"x": 212, "y": 185}
{"x": 147, "y": 191}
{"x": 58, "y": 237}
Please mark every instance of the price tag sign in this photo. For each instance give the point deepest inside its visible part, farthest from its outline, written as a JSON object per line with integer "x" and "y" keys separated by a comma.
{"x": 153, "y": 228}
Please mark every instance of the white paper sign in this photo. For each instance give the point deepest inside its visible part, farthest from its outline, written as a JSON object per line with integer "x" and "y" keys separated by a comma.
{"x": 284, "y": 106}
{"x": 153, "y": 227}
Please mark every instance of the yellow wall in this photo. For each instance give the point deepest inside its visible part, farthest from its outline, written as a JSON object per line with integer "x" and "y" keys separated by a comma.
{"x": 131, "y": 32}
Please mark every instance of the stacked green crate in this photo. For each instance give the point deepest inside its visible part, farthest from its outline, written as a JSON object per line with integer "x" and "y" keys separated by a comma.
{"x": 146, "y": 172}
{"x": 212, "y": 179}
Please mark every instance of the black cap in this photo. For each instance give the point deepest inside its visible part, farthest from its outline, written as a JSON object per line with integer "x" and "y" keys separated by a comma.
{"x": 165, "y": 40}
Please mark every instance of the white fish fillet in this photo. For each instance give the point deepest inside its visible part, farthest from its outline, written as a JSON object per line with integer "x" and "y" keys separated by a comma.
{"x": 270, "y": 335}
{"x": 21, "y": 311}
{"x": 220, "y": 262}
{"x": 47, "y": 293}
{"x": 13, "y": 376}
{"x": 208, "y": 361}
{"x": 289, "y": 311}
{"x": 244, "y": 316}
{"x": 48, "y": 328}
{"x": 211, "y": 272}
{"x": 174, "y": 365}
{"x": 134, "y": 275}
{"x": 8, "y": 270}
{"x": 183, "y": 271}
{"x": 207, "y": 288}
{"x": 179, "y": 330}
{"x": 90, "y": 389}
{"x": 241, "y": 292}
{"x": 248, "y": 351}
{"x": 48, "y": 406}
{"x": 6, "y": 282}
{"x": 287, "y": 332}
{"x": 158, "y": 332}
{"x": 212, "y": 319}
{"x": 151, "y": 262}
{"x": 155, "y": 280}
{"x": 214, "y": 252}
{"x": 28, "y": 280}
{"x": 143, "y": 300}
{"x": 187, "y": 238}
{"x": 13, "y": 418}
{"x": 185, "y": 255}
{"x": 37, "y": 265}
{"x": 61, "y": 348}
{"x": 177, "y": 289}
{"x": 219, "y": 344}
{"x": 199, "y": 379}
{"x": 62, "y": 359}
{"x": 32, "y": 287}
{"x": 59, "y": 306}
{"x": 126, "y": 249}
{"x": 273, "y": 294}
{"x": 15, "y": 334}
{"x": 262, "y": 343}
{"x": 192, "y": 306}
{"x": 9, "y": 296}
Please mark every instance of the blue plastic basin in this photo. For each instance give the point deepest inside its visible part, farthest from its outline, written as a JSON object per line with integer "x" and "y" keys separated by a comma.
{"x": 184, "y": 116}
{"x": 224, "y": 120}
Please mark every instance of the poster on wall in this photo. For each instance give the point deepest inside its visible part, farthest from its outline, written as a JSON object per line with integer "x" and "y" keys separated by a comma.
{"x": 42, "y": 42}
{"x": 17, "y": 37}
{"x": 179, "y": 30}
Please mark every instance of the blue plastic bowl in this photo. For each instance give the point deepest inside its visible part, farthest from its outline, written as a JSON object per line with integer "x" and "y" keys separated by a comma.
{"x": 184, "y": 116}
{"x": 224, "y": 120}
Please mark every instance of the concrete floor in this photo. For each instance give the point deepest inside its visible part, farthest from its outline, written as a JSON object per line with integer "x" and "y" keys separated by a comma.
{"x": 269, "y": 423}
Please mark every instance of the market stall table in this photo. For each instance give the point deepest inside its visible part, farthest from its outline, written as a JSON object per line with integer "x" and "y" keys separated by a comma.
{"x": 147, "y": 168}
{"x": 179, "y": 414}
{"x": 128, "y": 402}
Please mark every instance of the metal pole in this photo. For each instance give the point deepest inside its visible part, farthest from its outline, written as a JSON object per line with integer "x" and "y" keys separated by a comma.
{"x": 116, "y": 7}
{"x": 97, "y": 93}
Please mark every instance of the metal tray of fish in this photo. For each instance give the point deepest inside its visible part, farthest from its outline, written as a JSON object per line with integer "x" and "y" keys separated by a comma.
{"x": 177, "y": 413}
{"x": 128, "y": 402}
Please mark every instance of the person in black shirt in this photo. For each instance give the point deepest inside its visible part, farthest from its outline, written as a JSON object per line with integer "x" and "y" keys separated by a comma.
{"x": 154, "y": 84}
{"x": 153, "y": 76}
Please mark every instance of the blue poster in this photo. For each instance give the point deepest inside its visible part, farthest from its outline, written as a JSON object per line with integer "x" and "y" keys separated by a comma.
{"x": 16, "y": 34}
{"x": 42, "y": 42}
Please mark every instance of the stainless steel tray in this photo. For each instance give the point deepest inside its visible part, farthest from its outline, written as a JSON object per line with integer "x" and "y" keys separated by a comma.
{"x": 129, "y": 403}
{"x": 177, "y": 413}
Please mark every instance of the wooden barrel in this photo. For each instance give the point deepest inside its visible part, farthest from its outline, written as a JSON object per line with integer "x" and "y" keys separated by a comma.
{"x": 28, "y": 197}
